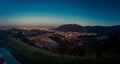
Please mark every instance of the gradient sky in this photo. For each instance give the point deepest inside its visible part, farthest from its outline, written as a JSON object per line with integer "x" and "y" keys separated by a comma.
{"x": 56, "y": 12}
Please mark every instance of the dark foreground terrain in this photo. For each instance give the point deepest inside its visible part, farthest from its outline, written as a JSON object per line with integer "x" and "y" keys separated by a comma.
{"x": 33, "y": 55}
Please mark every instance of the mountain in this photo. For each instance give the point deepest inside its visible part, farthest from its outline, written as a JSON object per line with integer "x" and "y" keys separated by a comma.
{"x": 103, "y": 29}
{"x": 91, "y": 29}
{"x": 70, "y": 27}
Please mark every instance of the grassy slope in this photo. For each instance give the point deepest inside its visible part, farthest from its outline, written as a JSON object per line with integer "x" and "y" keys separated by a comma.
{"x": 36, "y": 56}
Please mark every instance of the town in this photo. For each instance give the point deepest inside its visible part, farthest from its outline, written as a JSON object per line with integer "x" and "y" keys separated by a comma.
{"x": 58, "y": 41}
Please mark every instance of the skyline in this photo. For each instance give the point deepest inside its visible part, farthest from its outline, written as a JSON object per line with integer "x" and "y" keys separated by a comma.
{"x": 58, "y": 12}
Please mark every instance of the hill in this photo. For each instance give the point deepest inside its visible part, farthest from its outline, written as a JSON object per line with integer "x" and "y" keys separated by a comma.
{"x": 91, "y": 29}
{"x": 70, "y": 27}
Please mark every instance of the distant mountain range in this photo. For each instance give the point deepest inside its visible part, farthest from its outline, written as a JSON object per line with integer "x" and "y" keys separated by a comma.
{"x": 91, "y": 29}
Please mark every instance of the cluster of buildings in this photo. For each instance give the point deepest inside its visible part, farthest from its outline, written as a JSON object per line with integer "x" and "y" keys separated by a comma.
{"x": 41, "y": 37}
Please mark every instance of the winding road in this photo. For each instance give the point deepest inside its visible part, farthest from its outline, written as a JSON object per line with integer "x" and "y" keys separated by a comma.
{"x": 8, "y": 56}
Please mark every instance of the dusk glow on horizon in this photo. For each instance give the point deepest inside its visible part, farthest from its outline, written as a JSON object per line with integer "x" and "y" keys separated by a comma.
{"x": 57, "y": 12}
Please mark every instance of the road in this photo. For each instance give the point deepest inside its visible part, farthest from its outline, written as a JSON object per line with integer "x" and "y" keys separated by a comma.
{"x": 9, "y": 57}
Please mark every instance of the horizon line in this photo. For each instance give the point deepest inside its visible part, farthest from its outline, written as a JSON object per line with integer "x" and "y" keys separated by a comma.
{"x": 51, "y": 25}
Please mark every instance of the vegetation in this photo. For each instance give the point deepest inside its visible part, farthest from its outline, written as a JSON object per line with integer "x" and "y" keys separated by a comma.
{"x": 36, "y": 56}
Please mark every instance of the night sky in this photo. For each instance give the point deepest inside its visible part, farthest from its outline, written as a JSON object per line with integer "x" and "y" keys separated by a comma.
{"x": 57, "y": 12}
